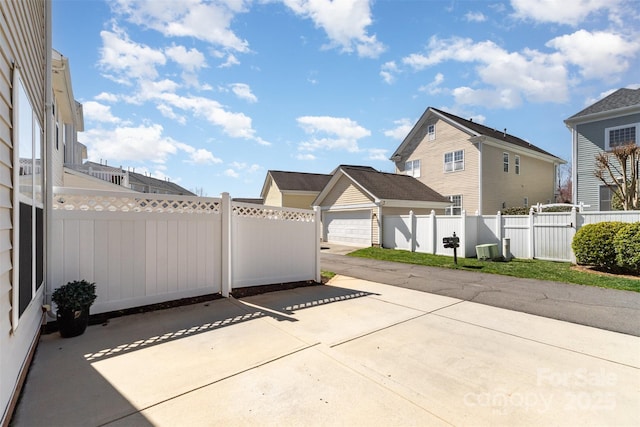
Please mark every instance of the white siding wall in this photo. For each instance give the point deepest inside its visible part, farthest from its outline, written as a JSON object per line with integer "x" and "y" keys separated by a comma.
{"x": 22, "y": 42}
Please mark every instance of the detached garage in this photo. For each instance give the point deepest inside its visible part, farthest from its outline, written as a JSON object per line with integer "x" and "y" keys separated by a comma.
{"x": 356, "y": 197}
{"x": 349, "y": 227}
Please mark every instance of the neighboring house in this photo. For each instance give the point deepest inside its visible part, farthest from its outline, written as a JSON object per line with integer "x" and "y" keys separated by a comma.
{"x": 610, "y": 122}
{"x": 478, "y": 168}
{"x": 356, "y": 198}
{"x": 26, "y": 145}
{"x": 103, "y": 177}
{"x": 292, "y": 189}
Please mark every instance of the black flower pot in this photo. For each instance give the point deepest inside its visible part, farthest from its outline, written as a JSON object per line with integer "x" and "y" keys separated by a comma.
{"x": 72, "y": 323}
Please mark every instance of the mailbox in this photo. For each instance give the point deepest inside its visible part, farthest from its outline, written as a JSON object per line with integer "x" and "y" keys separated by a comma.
{"x": 451, "y": 242}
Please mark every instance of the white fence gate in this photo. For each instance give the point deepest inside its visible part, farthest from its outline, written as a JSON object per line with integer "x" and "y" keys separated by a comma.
{"x": 143, "y": 249}
{"x": 544, "y": 235}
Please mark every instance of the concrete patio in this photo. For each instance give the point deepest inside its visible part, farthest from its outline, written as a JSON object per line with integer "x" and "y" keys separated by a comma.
{"x": 349, "y": 353}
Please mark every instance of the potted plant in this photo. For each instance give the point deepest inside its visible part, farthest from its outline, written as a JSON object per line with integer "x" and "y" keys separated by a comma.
{"x": 73, "y": 301}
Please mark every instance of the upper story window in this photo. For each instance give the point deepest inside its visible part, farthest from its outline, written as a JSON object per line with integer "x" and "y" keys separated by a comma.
{"x": 456, "y": 205}
{"x": 454, "y": 161}
{"x": 412, "y": 168}
{"x": 431, "y": 132}
{"x": 505, "y": 162}
{"x": 620, "y": 135}
{"x": 516, "y": 161}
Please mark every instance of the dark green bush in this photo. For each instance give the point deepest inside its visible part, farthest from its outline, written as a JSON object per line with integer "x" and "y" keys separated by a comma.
{"x": 593, "y": 244}
{"x": 627, "y": 247}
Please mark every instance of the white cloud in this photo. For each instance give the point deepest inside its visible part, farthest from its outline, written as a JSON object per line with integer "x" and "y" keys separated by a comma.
{"x": 569, "y": 12}
{"x": 201, "y": 156}
{"x": 598, "y": 54}
{"x": 231, "y": 173}
{"x": 243, "y": 91}
{"x": 336, "y": 133}
{"x": 433, "y": 88}
{"x": 388, "y": 71}
{"x": 606, "y": 93}
{"x": 305, "y": 156}
{"x": 128, "y": 143}
{"x": 475, "y": 17}
{"x": 511, "y": 76}
{"x": 127, "y": 59}
{"x": 402, "y": 129}
{"x": 94, "y": 111}
{"x": 107, "y": 97}
{"x": 190, "y": 60}
{"x": 378, "y": 154}
{"x": 231, "y": 61}
{"x": 203, "y": 20}
{"x": 345, "y": 22}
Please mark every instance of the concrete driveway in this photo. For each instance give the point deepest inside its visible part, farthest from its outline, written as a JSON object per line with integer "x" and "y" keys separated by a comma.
{"x": 353, "y": 353}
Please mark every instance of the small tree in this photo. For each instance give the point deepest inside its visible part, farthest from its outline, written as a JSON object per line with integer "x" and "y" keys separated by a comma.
{"x": 565, "y": 185}
{"x": 619, "y": 170}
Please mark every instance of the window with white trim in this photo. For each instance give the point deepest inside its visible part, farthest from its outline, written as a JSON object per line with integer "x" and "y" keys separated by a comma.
{"x": 454, "y": 161}
{"x": 456, "y": 205}
{"x": 525, "y": 202}
{"x": 412, "y": 168}
{"x": 431, "y": 132}
{"x": 505, "y": 162}
{"x": 620, "y": 135}
{"x": 516, "y": 163}
{"x": 28, "y": 247}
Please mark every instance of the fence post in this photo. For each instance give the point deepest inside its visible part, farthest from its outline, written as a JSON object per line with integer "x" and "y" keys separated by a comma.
{"x": 531, "y": 234}
{"x": 226, "y": 245}
{"x": 434, "y": 242}
{"x": 463, "y": 233}
{"x": 575, "y": 226}
{"x": 499, "y": 230}
{"x": 412, "y": 230}
{"x": 316, "y": 210}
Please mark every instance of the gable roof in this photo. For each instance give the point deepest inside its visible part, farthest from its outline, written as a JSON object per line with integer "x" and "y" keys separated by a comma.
{"x": 165, "y": 187}
{"x": 384, "y": 186}
{"x": 296, "y": 181}
{"x": 621, "y": 99}
{"x": 473, "y": 129}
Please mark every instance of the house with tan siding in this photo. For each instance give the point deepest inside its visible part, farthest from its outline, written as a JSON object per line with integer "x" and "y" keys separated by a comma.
{"x": 478, "y": 168}
{"x": 607, "y": 123}
{"x": 356, "y": 199}
{"x": 292, "y": 189}
{"x": 26, "y": 136}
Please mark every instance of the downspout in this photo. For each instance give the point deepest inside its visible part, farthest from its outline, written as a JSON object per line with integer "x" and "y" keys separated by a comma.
{"x": 574, "y": 165}
{"x": 48, "y": 152}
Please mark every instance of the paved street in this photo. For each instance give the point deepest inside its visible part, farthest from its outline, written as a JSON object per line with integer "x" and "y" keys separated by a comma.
{"x": 608, "y": 309}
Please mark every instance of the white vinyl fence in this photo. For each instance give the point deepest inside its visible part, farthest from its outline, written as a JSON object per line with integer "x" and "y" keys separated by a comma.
{"x": 143, "y": 249}
{"x": 544, "y": 235}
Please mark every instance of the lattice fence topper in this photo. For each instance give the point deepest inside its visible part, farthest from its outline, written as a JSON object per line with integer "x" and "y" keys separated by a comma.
{"x": 84, "y": 202}
{"x": 274, "y": 214}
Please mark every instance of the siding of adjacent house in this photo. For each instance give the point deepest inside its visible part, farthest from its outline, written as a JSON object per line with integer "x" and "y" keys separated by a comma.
{"x": 22, "y": 42}
{"x": 345, "y": 193}
{"x": 591, "y": 140}
{"x": 535, "y": 181}
{"x": 273, "y": 196}
{"x": 299, "y": 201}
{"x": 431, "y": 156}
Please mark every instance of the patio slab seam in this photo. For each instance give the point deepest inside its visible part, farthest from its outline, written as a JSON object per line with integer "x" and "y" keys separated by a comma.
{"x": 536, "y": 340}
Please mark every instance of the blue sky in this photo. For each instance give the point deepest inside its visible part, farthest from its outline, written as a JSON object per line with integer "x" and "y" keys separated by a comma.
{"x": 213, "y": 94}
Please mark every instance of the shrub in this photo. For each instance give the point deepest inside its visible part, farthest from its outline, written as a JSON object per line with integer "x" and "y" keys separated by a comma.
{"x": 593, "y": 244}
{"x": 627, "y": 247}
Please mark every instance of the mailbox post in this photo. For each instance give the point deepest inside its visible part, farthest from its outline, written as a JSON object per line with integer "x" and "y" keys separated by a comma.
{"x": 452, "y": 243}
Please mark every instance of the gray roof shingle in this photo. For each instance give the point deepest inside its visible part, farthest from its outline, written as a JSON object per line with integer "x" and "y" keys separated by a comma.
{"x": 493, "y": 133}
{"x": 299, "y": 181}
{"x": 391, "y": 186}
{"x": 619, "y": 99}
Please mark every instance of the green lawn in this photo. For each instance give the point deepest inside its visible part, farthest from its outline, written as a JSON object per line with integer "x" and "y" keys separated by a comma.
{"x": 525, "y": 268}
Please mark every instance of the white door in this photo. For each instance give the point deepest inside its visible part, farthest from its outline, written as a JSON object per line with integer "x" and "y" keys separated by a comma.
{"x": 349, "y": 227}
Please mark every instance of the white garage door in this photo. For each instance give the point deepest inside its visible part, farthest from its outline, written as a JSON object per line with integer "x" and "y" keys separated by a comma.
{"x": 350, "y": 227}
